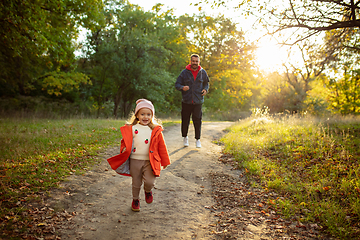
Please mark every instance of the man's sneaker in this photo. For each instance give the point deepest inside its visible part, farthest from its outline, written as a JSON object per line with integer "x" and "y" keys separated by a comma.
{"x": 149, "y": 197}
{"x": 186, "y": 141}
{"x": 198, "y": 143}
{"x": 135, "y": 206}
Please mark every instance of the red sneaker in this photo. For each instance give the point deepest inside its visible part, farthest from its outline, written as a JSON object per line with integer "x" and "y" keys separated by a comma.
{"x": 135, "y": 206}
{"x": 149, "y": 197}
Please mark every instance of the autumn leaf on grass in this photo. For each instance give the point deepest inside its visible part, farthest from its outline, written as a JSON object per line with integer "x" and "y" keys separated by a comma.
{"x": 326, "y": 188}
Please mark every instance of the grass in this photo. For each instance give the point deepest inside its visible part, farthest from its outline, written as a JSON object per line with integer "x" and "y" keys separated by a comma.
{"x": 36, "y": 155}
{"x": 314, "y": 164}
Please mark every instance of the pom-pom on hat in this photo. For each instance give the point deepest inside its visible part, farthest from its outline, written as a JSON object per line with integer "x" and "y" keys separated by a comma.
{"x": 144, "y": 103}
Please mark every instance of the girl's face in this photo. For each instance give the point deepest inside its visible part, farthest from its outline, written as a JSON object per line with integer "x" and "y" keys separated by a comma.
{"x": 144, "y": 115}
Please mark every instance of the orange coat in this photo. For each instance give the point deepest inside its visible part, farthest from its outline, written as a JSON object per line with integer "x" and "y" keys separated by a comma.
{"x": 158, "y": 153}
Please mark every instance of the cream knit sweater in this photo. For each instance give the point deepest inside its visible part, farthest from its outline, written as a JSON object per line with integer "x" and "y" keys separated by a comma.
{"x": 141, "y": 142}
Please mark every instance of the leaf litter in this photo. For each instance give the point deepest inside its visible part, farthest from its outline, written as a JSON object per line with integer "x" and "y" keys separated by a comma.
{"x": 245, "y": 212}
{"x": 241, "y": 212}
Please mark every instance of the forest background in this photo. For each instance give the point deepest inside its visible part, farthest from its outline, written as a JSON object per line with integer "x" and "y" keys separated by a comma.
{"x": 130, "y": 53}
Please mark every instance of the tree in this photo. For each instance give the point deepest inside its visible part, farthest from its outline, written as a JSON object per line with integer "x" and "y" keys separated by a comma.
{"x": 55, "y": 83}
{"x": 234, "y": 92}
{"x": 345, "y": 93}
{"x": 99, "y": 66}
{"x": 295, "y": 83}
{"x": 229, "y": 61}
{"x": 37, "y": 37}
{"x": 218, "y": 41}
{"x": 316, "y": 16}
{"x": 316, "y": 102}
{"x": 313, "y": 16}
{"x": 133, "y": 56}
{"x": 276, "y": 92}
{"x": 343, "y": 48}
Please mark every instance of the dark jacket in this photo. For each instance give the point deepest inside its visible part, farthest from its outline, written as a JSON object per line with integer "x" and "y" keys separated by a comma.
{"x": 193, "y": 95}
{"x": 158, "y": 153}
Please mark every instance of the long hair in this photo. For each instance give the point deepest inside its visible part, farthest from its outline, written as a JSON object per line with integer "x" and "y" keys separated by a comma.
{"x": 133, "y": 120}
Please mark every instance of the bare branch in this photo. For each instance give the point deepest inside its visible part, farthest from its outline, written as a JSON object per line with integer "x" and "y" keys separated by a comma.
{"x": 345, "y": 24}
{"x": 292, "y": 9}
{"x": 339, "y": 2}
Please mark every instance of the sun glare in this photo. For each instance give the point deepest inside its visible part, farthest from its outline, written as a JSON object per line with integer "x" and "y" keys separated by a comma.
{"x": 270, "y": 56}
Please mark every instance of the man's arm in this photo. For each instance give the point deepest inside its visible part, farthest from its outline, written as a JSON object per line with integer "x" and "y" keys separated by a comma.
{"x": 179, "y": 84}
{"x": 205, "y": 85}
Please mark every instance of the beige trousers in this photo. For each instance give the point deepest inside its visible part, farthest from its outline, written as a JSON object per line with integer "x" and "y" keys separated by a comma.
{"x": 141, "y": 171}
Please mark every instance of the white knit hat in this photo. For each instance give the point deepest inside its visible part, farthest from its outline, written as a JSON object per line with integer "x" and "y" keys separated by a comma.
{"x": 144, "y": 103}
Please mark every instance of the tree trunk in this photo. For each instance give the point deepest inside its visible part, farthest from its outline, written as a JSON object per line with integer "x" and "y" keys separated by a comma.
{"x": 117, "y": 100}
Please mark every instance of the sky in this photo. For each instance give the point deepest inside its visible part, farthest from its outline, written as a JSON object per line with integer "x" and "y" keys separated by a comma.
{"x": 269, "y": 54}
{"x": 181, "y": 7}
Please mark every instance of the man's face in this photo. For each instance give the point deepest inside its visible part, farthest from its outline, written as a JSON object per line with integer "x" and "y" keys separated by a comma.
{"x": 195, "y": 63}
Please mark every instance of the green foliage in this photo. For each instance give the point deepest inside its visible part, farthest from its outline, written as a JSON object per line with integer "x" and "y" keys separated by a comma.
{"x": 302, "y": 24}
{"x": 314, "y": 165}
{"x": 345, "y": 93}
{"x": 57, "y": 82}
{"x": 45, "y": 107}
{"x": 133, "y": 56}
{"x": 232, "y": 93}
{"x": 228, "y": 59}
{"x": 130, "y": 53}
{"x": 292, "y": 92}
{"x": 316, "y": 102}
{"x": 218, "y": 41}
{"x": 288, "y": 91}
{"x": 37, "y": 37}
{"x": 344, "y": 48}
{"x": 277, "y": 94}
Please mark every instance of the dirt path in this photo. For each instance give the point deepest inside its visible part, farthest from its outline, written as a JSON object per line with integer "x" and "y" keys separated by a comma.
{"x": 196, "y": 197}
{"x": 100, "y": 200}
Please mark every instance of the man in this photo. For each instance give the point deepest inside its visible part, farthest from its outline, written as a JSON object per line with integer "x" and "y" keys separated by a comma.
{"x": 193, "y": 82}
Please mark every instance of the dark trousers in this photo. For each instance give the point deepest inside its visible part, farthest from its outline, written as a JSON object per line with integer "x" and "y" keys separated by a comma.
{"x": 186, "y": 111}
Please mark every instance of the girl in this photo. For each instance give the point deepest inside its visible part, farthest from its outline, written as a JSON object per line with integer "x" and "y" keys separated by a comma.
{"x": 142, "y": 151}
